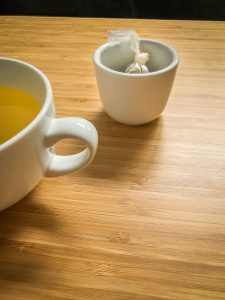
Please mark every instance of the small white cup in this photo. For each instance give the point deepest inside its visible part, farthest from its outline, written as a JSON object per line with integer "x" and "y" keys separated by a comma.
{"x": 135, "y": 99}
{"x": 28, "y": 156}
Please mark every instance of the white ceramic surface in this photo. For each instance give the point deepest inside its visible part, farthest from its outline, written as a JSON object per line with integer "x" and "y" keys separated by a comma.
{"x": 135, "y": 99}
{"x": 27, "y": 157}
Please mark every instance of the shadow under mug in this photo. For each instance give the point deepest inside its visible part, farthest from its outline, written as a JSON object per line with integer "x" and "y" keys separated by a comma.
{"x": 135, "y": 99}
{"x": 28, "y": 156}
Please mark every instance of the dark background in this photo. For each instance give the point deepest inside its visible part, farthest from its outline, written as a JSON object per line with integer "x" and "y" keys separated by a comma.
{"x": 148, "y": 9}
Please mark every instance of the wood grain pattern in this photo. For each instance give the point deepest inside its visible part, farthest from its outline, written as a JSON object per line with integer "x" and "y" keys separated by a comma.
{"x": 147, "y": 219}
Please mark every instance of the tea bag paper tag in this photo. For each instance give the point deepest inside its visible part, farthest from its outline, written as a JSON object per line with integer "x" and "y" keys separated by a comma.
{"x": 140, "y": 58}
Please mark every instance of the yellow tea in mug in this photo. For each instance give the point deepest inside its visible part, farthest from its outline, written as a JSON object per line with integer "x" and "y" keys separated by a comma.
{"x": 17, "y": 110}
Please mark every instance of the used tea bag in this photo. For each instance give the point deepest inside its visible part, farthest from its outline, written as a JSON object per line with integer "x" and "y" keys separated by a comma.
{"x": 140, "y": 58}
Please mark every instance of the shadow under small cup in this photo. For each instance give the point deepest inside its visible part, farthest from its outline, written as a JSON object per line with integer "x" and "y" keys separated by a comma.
{"x": 135, "y": 99}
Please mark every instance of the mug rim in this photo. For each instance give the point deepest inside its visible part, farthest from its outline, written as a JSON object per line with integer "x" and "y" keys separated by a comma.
{"x": 47, "y": 101}
{"x": 173, "y": 64}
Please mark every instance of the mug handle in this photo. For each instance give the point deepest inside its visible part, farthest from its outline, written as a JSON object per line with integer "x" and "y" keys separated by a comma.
{"x": 75, "y": 128}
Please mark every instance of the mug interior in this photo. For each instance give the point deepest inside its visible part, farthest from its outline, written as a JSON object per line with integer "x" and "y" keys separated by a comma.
{"x": 118, "y": 56}
{"x": 14, "y": 73}
{"x": 19, "y": 74}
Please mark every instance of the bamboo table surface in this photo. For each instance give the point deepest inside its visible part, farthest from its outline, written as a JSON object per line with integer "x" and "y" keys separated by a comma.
{"x": 146, "y": 220}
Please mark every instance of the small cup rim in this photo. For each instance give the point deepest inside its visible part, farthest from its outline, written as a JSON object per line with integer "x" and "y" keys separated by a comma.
{"x": 173, "y": 64}
{"x": 44, "y": 107}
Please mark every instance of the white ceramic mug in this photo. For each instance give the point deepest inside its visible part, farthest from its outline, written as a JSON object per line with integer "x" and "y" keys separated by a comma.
{"x": 135, "y": 99}
{"x": 28, "y": 156}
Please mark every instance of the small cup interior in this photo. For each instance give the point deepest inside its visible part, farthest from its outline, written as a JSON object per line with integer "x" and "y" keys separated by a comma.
{"x": 17, "y": 74}
{"x": 118, "y": 56}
